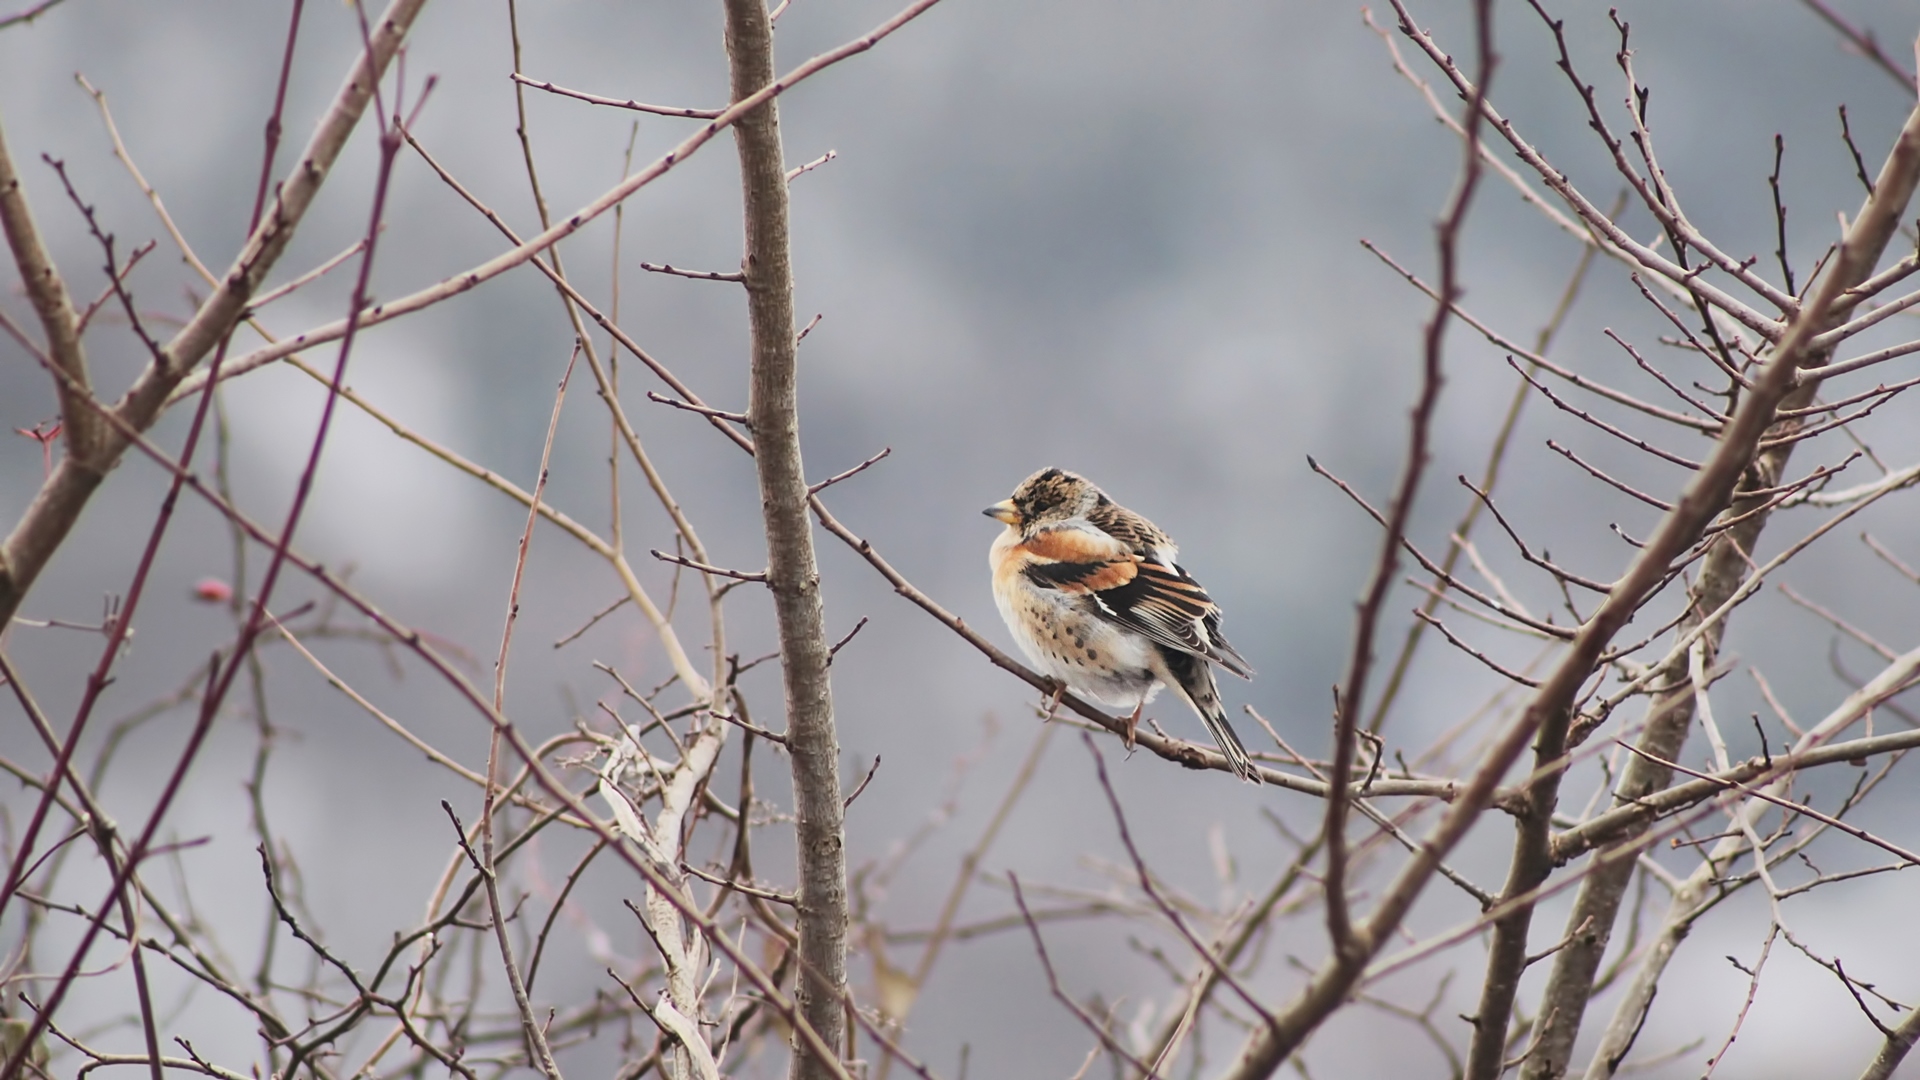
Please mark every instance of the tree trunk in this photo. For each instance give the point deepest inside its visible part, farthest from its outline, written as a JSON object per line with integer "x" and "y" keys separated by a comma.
{"x": 792, "y": 574}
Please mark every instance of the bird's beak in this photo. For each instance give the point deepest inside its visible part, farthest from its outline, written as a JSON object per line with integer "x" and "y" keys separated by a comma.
{"x": 1003, "y": 511}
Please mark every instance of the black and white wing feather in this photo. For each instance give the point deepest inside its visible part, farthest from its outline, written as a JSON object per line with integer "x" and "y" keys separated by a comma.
{"x": 1129, "y": 574}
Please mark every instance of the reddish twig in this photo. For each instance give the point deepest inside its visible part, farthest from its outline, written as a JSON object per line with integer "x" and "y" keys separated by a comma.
{"x": 1863, "y": 42}
{"x": 1053, "y": 984}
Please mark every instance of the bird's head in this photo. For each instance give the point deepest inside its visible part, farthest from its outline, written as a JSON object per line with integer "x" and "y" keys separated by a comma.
{"x": 1048, "y": 497}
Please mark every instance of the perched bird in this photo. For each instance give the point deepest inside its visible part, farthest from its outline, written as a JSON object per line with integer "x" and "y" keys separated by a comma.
{"x": 1093, "y": 595}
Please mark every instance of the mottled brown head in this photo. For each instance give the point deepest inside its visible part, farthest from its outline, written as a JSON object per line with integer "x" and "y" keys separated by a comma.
{"x": 1048, "y": 497}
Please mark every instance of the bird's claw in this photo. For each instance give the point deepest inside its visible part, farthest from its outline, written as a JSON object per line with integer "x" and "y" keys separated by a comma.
{"x": 1053, "y": 702}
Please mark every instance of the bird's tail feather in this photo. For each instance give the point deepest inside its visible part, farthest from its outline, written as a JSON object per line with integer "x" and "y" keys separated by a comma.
{"x": 1235, "y": 753}
{"x": 1194, "y": 679}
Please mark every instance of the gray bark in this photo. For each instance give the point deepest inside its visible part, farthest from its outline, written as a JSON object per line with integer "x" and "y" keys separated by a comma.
{"x": 792, "y": 574}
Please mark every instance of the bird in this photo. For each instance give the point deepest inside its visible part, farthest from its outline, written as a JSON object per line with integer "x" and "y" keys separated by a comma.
{"x": 1094, "y": 597}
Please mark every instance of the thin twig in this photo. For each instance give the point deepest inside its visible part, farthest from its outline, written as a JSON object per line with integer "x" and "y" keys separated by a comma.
{"x": 1053, "y": 983}
{"x": 718, "y": 571}
{"x": 718, "y": 414}
{"x": 838, "y": 645}
{"x": 601, "y": 614}
{"x": 864, "y": 781}
{"x": 697, "y": 275}
{"x": 618, "y": 103}
{"x": 1864, "y": 43}
{"x": 850, "y": 473}
{"x": 35, "y": 11}
{"x": 801, "y": 170}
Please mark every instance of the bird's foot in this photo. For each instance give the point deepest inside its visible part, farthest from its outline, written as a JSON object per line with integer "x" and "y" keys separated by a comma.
{"x": 1133, "y": 726}
{"x": 1053, "y": 702}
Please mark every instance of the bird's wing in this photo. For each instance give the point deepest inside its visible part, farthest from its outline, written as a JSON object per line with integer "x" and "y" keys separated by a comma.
{"x": 1225, "y": 654}
{"x": 1139, "y": 534}
{"x": 1168, "y": 605}
{"x": 1140, "y": 591}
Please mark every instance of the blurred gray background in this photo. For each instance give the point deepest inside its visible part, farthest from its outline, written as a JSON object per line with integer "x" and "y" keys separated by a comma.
{"x": 1118, "y": 237}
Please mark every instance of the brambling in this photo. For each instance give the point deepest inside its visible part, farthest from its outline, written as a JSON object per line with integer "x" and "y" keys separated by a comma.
{"x": 1093, "y": 595}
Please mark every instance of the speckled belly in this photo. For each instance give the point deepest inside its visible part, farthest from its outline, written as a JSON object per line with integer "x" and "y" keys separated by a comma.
{"x": 1089, "y": 654}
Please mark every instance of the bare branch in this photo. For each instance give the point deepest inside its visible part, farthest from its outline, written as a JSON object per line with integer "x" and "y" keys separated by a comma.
{"x": 536, "y": 1035}
{"x": 27, "y": 15}
{"x": 51, "y": 302}
{"x": 45, "y": 524}
{"x": 1895, "y": 1049}
{"x": 1709, "y": 491}
{"x": 1864, "y": 43}
{"x": 618, "y": 103}
{"x": 850, "y": 473}
{"x": 697, "y": 275}
{"x": 1053, "y": 983}
{"x": 720, "y": 571}
{"x": 528, "y": 250}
